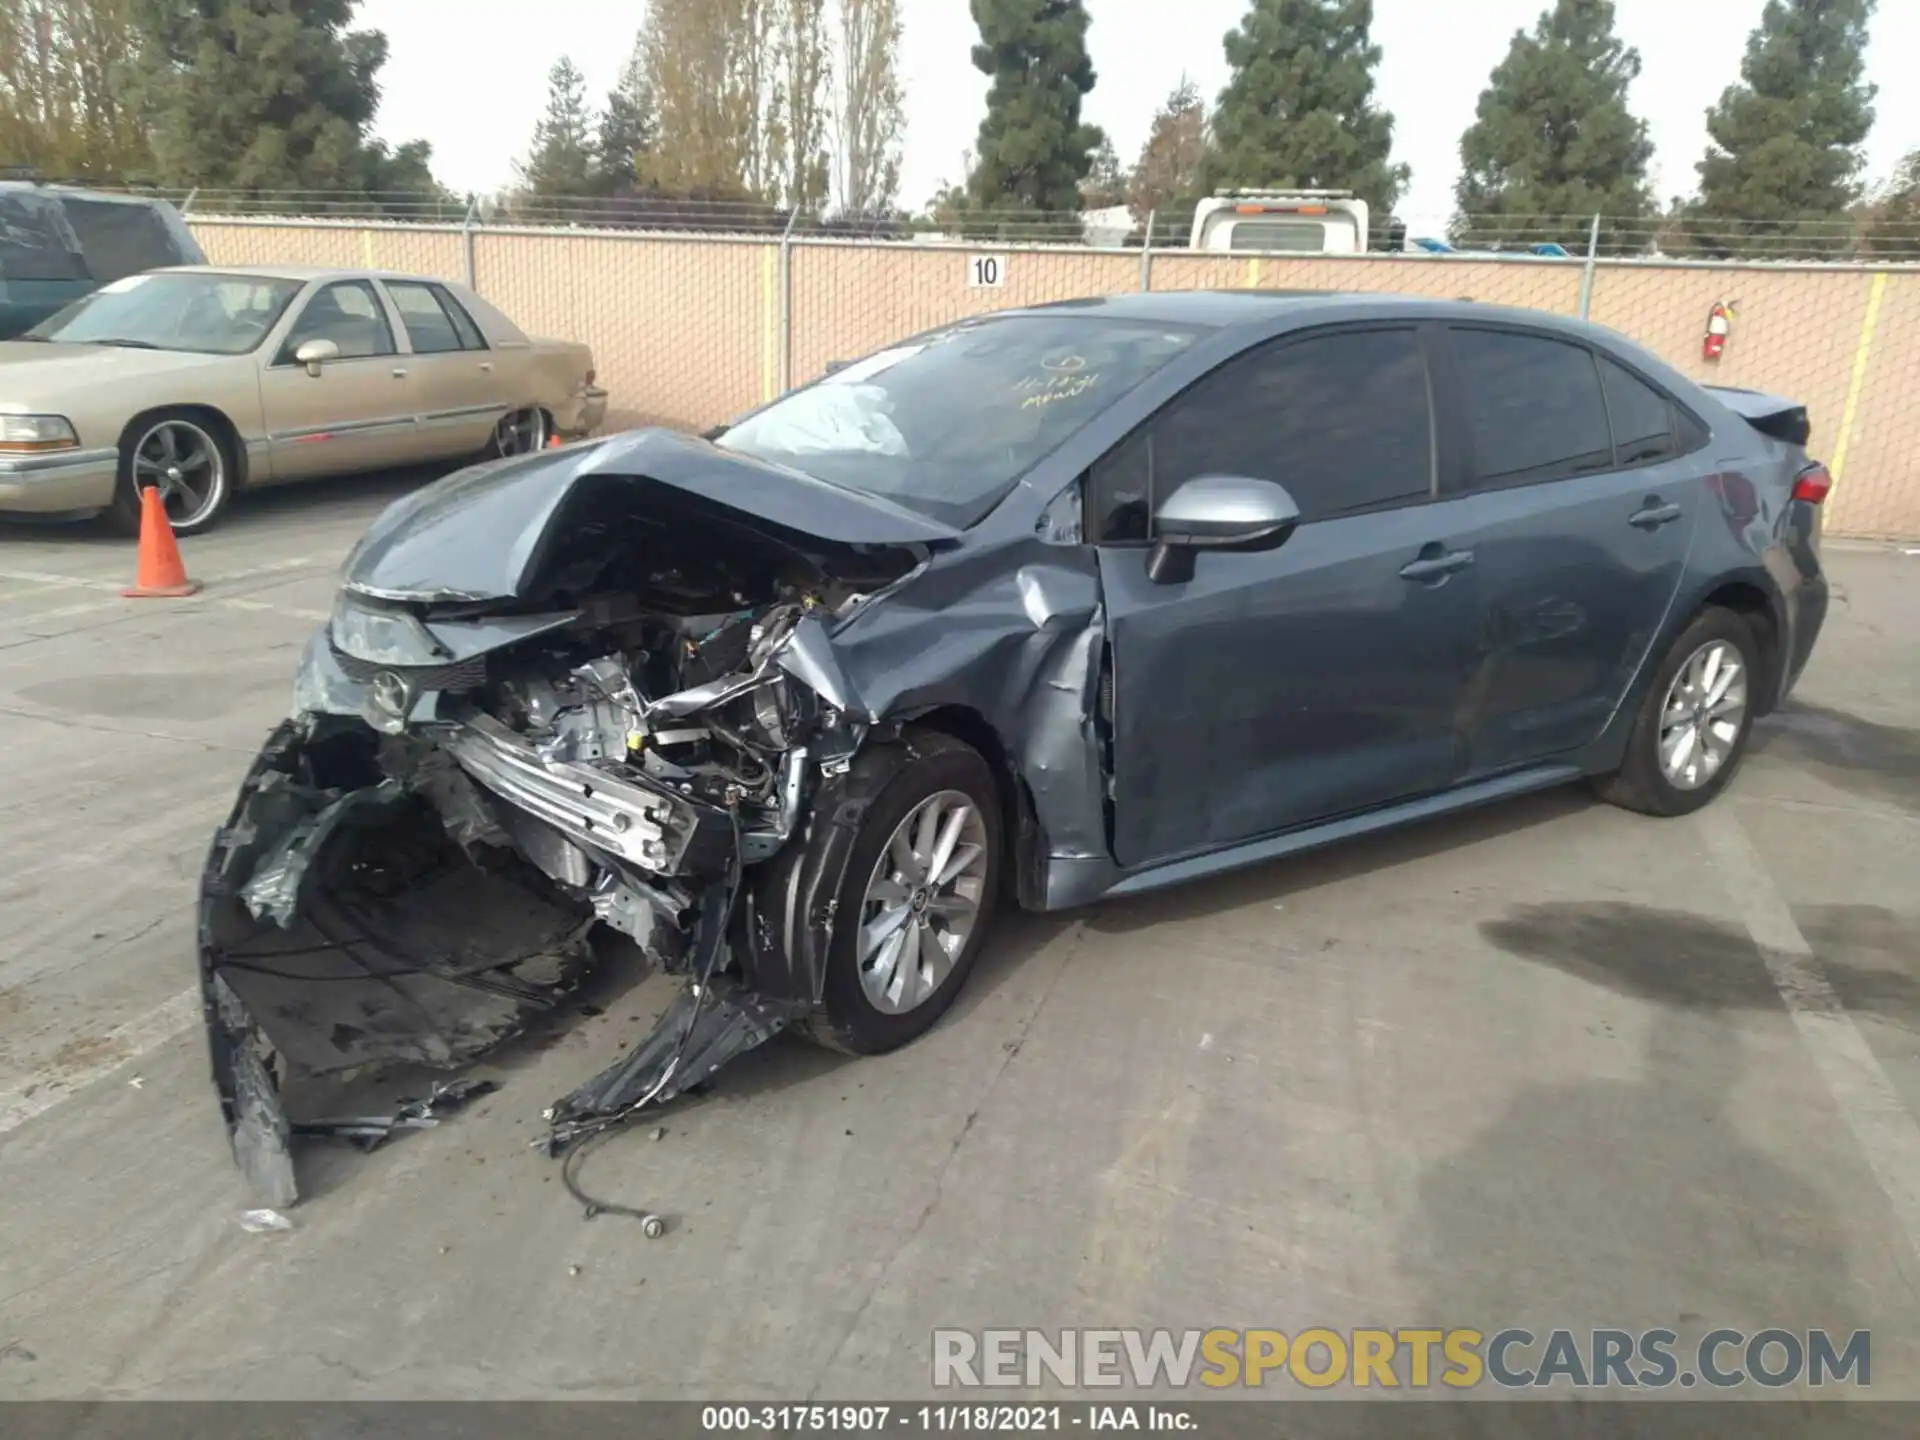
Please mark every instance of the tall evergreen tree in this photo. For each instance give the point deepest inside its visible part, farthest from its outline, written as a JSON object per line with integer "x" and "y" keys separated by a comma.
{"x": 1299, "y": 111}
{"x": 1034, "y": 150}
{"x": 561, "y": 161}
{"x": 1554, "y": 143}
{"x": 1785, "y": 142}
{"x": 628, "y": 129}
{"x": 265, "y": 95}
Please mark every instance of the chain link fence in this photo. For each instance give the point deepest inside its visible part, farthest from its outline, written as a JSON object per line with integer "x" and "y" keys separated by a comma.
{"x": 698, "y": 313}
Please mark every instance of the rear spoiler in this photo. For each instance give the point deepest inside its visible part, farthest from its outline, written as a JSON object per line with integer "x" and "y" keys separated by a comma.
{"x": 1771, "y": 415}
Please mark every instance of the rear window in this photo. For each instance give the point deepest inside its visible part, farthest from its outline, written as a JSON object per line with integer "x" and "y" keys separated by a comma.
{"x": 36, "y": 242}
{"x": 118, "y": 239}
{"x": 1300, "y": 237}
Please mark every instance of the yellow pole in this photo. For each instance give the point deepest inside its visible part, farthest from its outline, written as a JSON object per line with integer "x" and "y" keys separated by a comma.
{"x": 1862, "y": 353}
{"x": 770, "y": 322}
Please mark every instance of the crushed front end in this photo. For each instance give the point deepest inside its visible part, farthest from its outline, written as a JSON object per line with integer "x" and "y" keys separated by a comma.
{"x": 634, "y": 749}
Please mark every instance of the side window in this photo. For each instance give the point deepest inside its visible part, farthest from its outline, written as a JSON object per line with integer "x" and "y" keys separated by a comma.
{"x": 429, "y": 326}
{"x": 347, "y": 313}
{"x": 1643, "y": 430}
{"x": 1534, "y": 405}
{"x": 463, "y": 326}
{"x": 1343, "y": 420}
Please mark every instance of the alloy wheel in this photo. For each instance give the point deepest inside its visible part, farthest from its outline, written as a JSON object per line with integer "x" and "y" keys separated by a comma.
{"x": 922, "y": 901}
{"x": 186, "y": 465}
{"x": 1701, "y": 719}
{"x": 520, "y": 432}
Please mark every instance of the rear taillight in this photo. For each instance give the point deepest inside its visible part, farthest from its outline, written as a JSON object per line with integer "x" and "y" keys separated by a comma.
{"x": 1812, "y": 484}
{"x": 590, "y": 379}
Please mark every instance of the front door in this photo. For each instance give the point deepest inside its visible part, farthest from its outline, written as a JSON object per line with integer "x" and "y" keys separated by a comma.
{"x": 1281, "y": 687}
{"x": 1582, "y": 511}
{"x": 358, "y": 412}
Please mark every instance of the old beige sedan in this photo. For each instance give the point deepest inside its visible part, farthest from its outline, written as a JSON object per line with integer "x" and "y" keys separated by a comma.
{"x": 205, "y": 381}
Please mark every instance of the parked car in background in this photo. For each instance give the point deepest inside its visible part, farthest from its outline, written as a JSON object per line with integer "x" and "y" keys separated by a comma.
{"x": 57, "y": 243}
{"x": 205, "y": 382}
{"x": 1050, "y": 605}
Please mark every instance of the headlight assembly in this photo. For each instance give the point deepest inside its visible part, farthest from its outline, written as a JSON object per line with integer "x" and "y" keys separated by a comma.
{"x": 36, "y": 434}
{"x": 383, "y": 637}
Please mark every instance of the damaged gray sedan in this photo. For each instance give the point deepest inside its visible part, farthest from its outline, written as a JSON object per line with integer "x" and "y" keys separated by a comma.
{"x": 1050, "y": 605}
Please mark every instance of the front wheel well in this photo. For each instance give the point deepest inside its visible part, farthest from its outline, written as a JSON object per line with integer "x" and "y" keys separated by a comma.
{"x": 1751, "y": 604}
{"x": 1024, "y": 842}
{"x": 207, "y": 415}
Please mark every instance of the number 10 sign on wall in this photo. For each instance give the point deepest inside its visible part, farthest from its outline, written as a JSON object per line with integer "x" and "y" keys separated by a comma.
{"x": 986, "y": 272}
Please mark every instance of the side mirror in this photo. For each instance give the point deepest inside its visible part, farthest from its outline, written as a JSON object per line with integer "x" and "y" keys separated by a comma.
{"x": 1217, "y": 512}
{"x": 315, "y": 353}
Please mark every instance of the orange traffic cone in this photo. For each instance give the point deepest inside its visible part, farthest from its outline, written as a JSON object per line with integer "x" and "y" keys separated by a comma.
{"x": 554, "y": 442}
{"x": 162, "y": 573}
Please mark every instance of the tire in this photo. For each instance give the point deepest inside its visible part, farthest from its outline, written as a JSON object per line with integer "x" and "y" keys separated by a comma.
{"x": 1646, "y": 784}
{"x": 522, "y": 431}
{"x": 144, "y": 446}
{"x": 947, "y": 775}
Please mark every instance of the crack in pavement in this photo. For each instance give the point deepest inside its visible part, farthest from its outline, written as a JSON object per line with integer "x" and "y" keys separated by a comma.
{"x": 76, "y": 723}
{"x": 1009, "y": 1052}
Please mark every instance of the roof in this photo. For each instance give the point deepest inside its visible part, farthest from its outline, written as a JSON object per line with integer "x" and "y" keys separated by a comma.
{"x": 79, "y": 192}
{"x": 302, "y": 273}
{"x": 1223, "y": 309}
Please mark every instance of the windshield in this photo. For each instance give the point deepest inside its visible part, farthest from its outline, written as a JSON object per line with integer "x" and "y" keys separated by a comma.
{"x": 947, "y": 423}
{"x": 206, "y": 314}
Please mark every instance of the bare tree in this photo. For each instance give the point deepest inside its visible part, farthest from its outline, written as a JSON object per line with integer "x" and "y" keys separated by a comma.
{"x": 61, "y": 110}
{"x": 803, "y": 99}
{"x": 1167, "y": 177}
{"x": 869, "y": 121}
{"x": 688, "y": 56}
{"x": 739, "y": 89}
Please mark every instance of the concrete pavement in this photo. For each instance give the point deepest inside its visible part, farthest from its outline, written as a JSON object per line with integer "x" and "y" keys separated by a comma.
{"x": 1548, "y": 1065}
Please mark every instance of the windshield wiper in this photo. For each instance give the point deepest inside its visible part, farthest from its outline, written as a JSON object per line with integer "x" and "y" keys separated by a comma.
{"x": 124, "y": 343}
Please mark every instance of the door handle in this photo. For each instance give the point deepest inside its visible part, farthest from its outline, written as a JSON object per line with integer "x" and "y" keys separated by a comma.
{"x": 399, "y": 372}
{"x": 1652, "y": 514}
{"x": 1436, "y": 564}
{"x": 487, "y": 365}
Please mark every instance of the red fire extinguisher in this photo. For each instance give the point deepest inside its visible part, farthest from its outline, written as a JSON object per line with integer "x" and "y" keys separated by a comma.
{"x": 1719, "y": 327}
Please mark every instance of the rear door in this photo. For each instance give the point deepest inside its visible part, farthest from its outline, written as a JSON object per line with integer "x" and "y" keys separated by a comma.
{"x": 1285, "y": 686}
{"x": 1583, "y": 499}
{"x": 460, "y": 390}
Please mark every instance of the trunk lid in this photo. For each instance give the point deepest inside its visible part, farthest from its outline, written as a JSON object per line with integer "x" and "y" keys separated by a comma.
{"x": 1772, "y": 415}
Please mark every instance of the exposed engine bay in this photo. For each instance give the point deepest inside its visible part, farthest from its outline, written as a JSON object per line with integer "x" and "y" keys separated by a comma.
{"x": 477, "y": 804}
{"x": 641, "y": 706}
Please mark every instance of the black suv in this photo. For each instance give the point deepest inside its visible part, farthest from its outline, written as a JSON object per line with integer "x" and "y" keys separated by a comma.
{"x": 57, "y": 244}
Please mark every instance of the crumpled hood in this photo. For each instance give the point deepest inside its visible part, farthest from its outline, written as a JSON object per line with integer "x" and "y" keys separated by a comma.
{"x": 480, "y": 534}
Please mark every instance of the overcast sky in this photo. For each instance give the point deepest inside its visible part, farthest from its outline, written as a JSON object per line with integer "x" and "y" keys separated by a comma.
{"x": 474, "y": 90}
